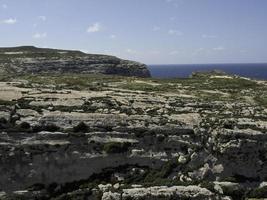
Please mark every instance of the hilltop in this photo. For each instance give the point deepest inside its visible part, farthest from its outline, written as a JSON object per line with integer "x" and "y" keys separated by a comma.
{"x": 33, "y": 60}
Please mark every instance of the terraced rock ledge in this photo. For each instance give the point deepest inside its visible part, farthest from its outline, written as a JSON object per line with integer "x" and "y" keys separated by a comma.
{"x": 75, "y": 136}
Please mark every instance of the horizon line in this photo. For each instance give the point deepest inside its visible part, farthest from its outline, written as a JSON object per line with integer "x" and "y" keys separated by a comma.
{"x": 226, "y": 63}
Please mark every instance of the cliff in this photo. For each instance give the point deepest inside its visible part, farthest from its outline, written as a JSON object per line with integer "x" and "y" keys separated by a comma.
{"x": 29, "y": 59}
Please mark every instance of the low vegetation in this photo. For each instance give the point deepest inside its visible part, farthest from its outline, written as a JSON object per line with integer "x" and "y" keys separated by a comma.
{"x": 116, "y": 147}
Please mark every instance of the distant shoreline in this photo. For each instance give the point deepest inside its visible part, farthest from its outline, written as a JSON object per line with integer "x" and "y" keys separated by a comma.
{"x": 208, "y": 63}
{"x": 250, "y": 70}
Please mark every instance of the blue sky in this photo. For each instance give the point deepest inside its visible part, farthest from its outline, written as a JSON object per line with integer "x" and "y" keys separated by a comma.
{"x": 150, "y": 31}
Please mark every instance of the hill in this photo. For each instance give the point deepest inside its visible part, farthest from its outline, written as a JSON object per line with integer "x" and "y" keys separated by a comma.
{"x": 33, "y": 60}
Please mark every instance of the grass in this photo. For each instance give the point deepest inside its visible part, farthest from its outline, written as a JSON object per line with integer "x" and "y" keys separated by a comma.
{"x": 7, "y": 103}
{"x": 160, "y": 177}
{"x": 4, "y": 77}
{"x": 74, "y": 81}
{"x": 235, "y": 87}
{"x": 98, "y": 81}
{"x": 262, "y": 100}
{"x": 258, "y": 192}
{"x": 195, "y": 84}
{"x": 33, "y": 52}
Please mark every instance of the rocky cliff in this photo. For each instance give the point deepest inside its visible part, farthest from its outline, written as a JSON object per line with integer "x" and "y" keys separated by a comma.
{"x": 28, "y": 59}
{"x": 113, "y": 138}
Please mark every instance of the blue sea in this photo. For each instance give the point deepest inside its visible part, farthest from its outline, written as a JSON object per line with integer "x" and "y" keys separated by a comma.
{"x": 250, "y": 70}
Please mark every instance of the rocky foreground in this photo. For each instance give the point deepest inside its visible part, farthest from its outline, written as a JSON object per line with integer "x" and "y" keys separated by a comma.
{"x": 116, "y": 138}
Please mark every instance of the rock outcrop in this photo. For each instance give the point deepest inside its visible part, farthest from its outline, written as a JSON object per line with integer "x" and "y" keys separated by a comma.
{"x": 119, "y": 138}
{"x": 28, "y": 59}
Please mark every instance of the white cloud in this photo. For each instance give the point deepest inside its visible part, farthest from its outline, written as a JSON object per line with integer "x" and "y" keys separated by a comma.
{"x": 42, "y": 17}
{"x": 219, "y": 48}
{"x": 131, "y": 51}
{"x": 209, "y": 36}
{"x": 198, "y": 51}
{"x": 169, "y": 1}
{"x": 4, "y": 6}
{"x": 154, "y": 52}
{"x": 112, "y": 36}
{"x": 175, "y": 32}
{"x": 9, "y": 21}
{"x": 174, "y": 53}
{"x": 175, "y": 2}
{"x": 156, "y": 28}
{"x": 243, "y": 51}
{"x": 96, "y": 27}
{"x": 39, "y": 35}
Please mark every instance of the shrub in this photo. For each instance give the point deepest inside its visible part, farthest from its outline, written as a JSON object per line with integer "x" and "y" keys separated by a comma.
{"x": 139, "y": 132}
{"x": 36, "y": 128}
{"x": 25, "y": 125}
{"x": 51, "y": 189}
{"x": 48, "y": 127}
{"x": 36, "y": 187}
{"x": 208, "y": 185}
{"x": 229, "y": 125}
{"x": 3, "y": 120}
{"x": 258, "y": 192}
{"x": 116, "y": 147}
{"x": 160, "y": 176}
{"x": 3, "y": 123}
{"x": 7, "y": 103}
{"x": 237, "y": 193}
{"x": 160, "y": 138}
{"x": 51, "y": 128}
{"x": 81, "y": 127}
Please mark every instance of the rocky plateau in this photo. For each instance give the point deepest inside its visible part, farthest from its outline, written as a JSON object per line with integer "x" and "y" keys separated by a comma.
{"x": 109, "y": 137}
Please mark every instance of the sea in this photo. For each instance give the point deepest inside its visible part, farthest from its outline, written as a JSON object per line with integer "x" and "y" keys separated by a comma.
{"x": 250, "y": 70}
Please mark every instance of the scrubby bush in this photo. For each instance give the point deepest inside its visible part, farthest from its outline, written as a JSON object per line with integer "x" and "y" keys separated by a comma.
{"x": 25, "y": 125}
{"x": 160, "y": 138}
{"x": 81, "y": 127}
{"x": 36, "y": 128}
{"x": 229, "y": 125}
{"x": 237, "y": 193}
{"x": 51, "y": 128}
{"x": 36, "y": 187}
{"x": 140, "y": 132}
{"x": 48, "y": 127}
{"x": 3, "y": 120}
{"x": 3, "y": 123}
{"x": 6, "y": 103}
{"x": 208, "y": 185}
{"x": 116, "y": 147}
{"x": 258, "y": 192}
{"x": 160, "y": 176}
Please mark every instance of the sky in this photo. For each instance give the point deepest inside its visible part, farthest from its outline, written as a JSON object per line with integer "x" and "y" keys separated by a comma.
{"x": 149, "y": 31}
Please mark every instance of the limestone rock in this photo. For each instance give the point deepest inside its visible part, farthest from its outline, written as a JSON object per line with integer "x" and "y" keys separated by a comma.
{"x": 39, "y": 60}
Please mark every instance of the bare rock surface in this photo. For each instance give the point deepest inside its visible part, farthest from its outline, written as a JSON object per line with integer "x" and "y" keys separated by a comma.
{"x": 117, "y": 138}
